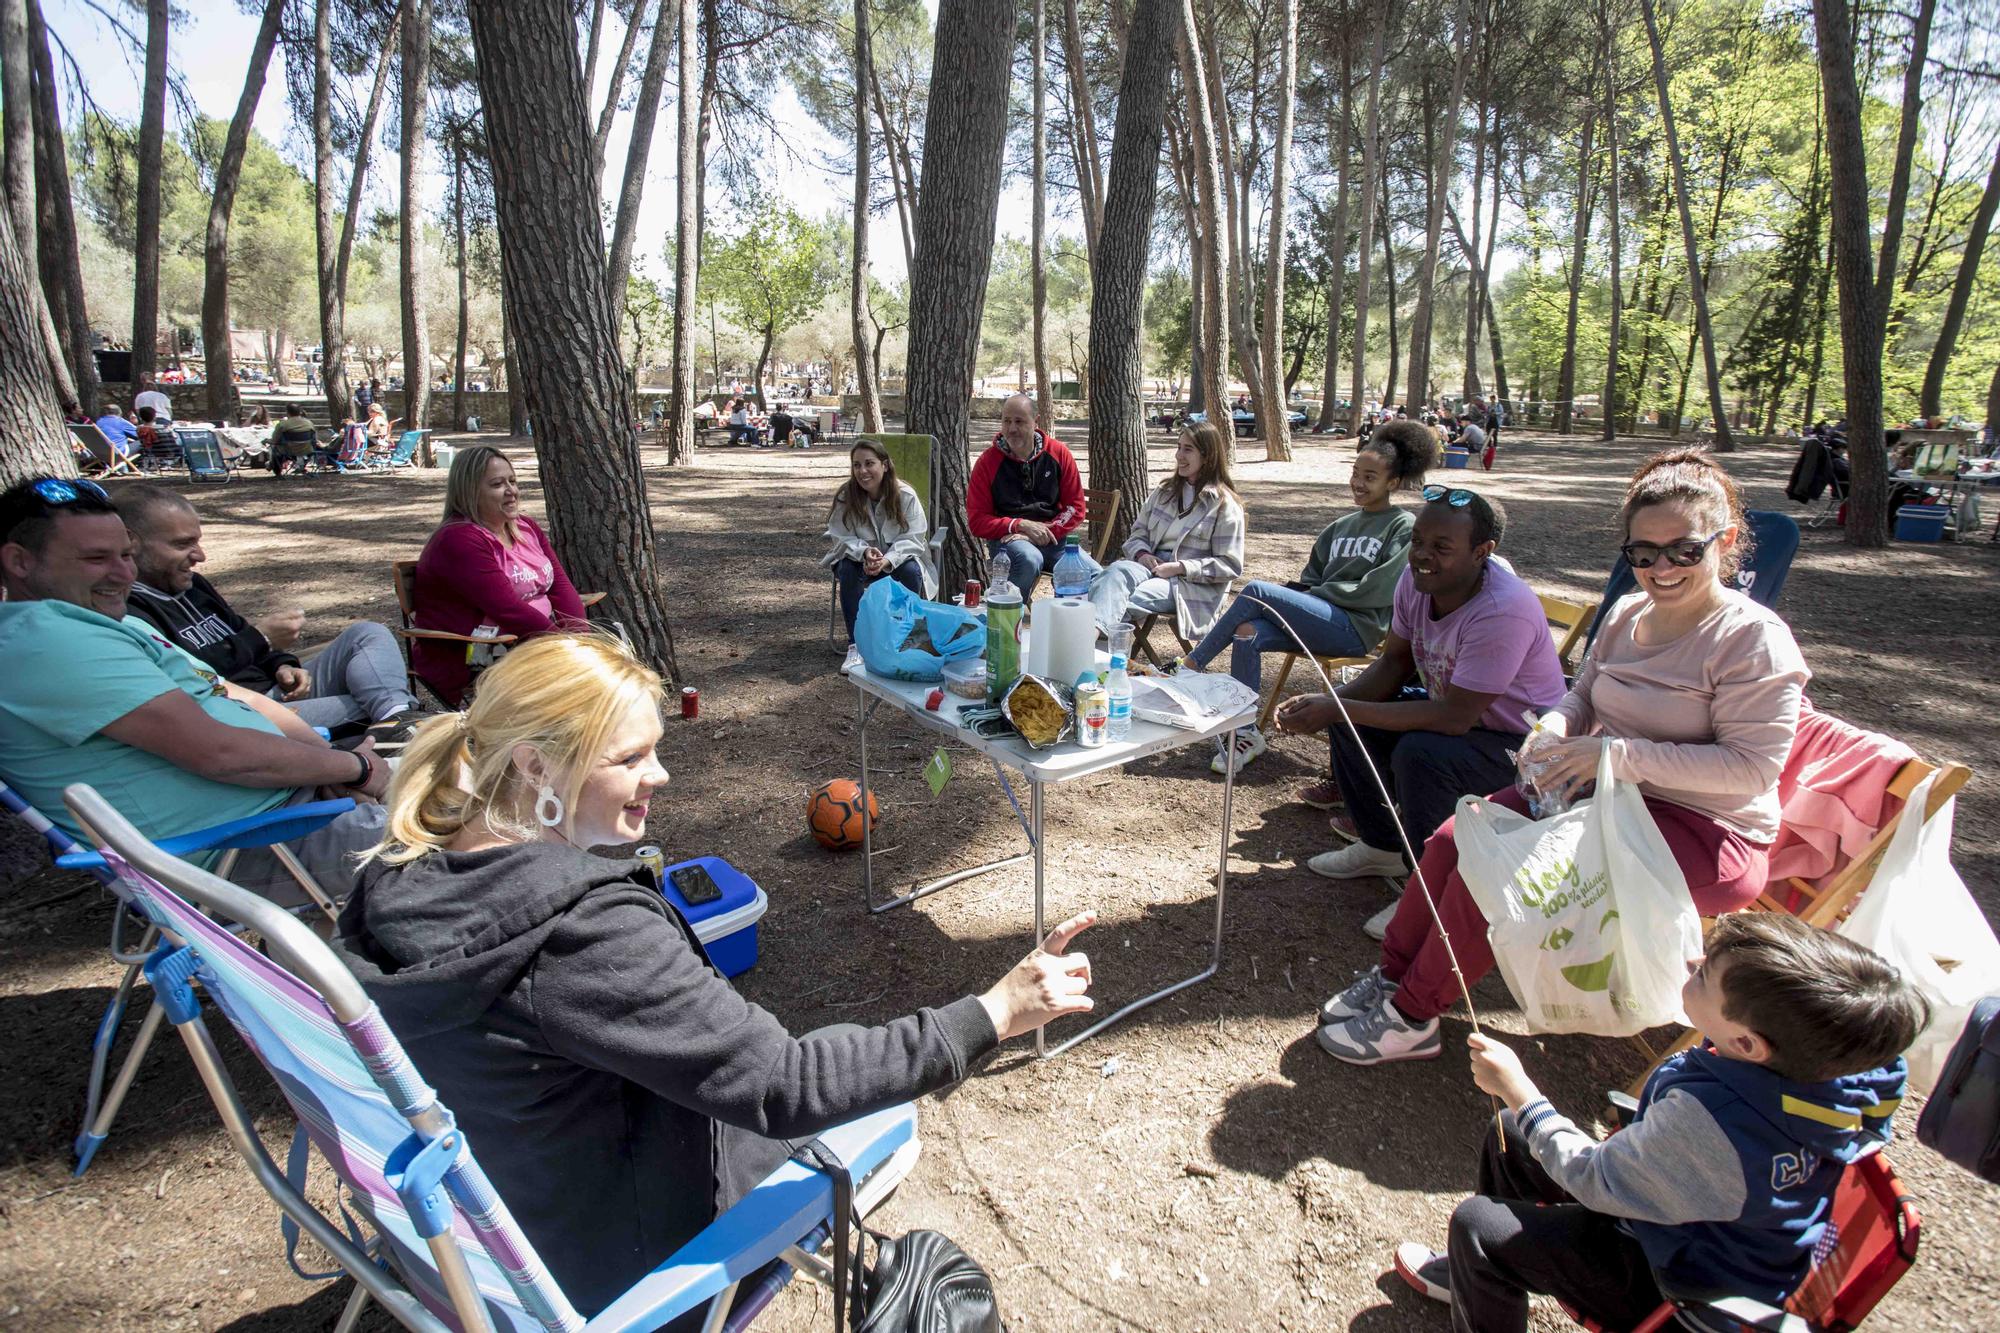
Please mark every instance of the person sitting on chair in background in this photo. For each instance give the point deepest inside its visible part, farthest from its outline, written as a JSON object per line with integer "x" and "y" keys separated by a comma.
{"x": 570, "y": 1017}
{"x": 1339, "y": 605}
{"x": 294, "y": 439}
{"x": 781, "y": 425}
{"x": 147, "y": 434}
{"x": 878, "y": 531}
{"x": 1722, "y": 1185}
{"x": 1025, "y": 496}
{"x": 1475, "y": 638}
{"x": 1691, "y": 692}
{"x": 378, "y": 432}
{"x": 488, "y": 564}
{"x": 1186, "y": 545}
{"x": 149, "y": 395}
{"x": 124, "y": 436}
{"x": 358, "y": 678}
{"x": 740, "y": 428}
{"x": 94, "y": 695}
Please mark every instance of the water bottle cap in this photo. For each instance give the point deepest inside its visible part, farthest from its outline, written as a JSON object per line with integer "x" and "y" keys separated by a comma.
{"x": 1118, "y": 662}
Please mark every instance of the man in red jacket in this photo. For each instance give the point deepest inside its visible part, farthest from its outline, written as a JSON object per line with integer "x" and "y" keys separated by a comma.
{"x": 1025, "y": 496}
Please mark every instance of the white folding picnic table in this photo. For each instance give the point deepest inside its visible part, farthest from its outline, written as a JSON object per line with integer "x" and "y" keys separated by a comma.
{"x": 1058, "y": 764}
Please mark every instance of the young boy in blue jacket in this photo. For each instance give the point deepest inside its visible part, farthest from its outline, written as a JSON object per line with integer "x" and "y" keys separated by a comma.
{"x": 1722, "y": 1183}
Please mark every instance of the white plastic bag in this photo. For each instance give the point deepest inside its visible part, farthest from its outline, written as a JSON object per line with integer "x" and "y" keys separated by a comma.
{"x": 1917, "y": 914}
{"x": 1587, "y": 911}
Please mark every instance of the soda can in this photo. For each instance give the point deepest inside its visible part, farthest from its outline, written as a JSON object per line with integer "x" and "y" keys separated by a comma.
{"x": 1093, "y": 714}
{"x": 655, "y": 863}
{"x": 973, "y": 588}
{"x": 690, "y": 701}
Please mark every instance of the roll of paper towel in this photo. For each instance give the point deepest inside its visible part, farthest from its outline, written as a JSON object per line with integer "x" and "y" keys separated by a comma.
{"x": 1062, "y": 639}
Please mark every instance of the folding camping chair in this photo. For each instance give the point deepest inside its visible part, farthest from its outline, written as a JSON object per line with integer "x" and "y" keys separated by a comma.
{"x": 103, "y": 456}
{"x": 1870, "y": 1242}
{"x": 283, "y": 824}
{"x": 1761, "y": 579}
{"x": 403, "y": 575}
{"x": 915, "y": 460}
{"x": 163, "y": 453}
{"x": 1567, "y": 622}
{"x": 353, "y": 453}
{"x": 406, "y": 449}
{"x": 446, "y": 1252}
{"x": 203, "y": 453}
{"x": 1100, "y": 510}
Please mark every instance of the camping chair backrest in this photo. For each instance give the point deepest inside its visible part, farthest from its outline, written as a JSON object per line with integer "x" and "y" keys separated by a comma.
{"x": 358, "y": 1098}
{"x": 353, "y": 445}
{"x": 1761, "y": 579}
{"x": 1870, "y": 1242}
{"x": 203, "y": 452}
{"x": 915, "y": 459}
{"x": 1567, "y": 621}
{"x": 98, "y": 445}
{"x": 406, "y": 447}
{"x": 60, "y": 843}
{"x": 1100, "y": 507}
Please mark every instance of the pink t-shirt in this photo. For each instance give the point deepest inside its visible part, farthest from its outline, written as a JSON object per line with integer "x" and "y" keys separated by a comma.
{"x": 1497, "y": 643}
{"x": 531, "y": 572}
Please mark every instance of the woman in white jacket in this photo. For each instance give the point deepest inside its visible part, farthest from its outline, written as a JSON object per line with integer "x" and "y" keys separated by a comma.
{"x": 878, "y": 531}
{"x": 1186, "y": 545}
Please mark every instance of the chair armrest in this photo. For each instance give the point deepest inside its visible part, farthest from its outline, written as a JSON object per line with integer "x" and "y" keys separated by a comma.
{"x": 790, "y": 1202}
{"x": 590, "y": 598}
{"x": 449, "y": 637}
{"x": 284, "y": 824}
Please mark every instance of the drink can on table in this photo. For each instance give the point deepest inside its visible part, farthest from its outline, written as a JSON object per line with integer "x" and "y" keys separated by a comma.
{"x": 690, "y": 701}
{"x": 972, "y": 592}
{"x": 655, "y": 862}
{"x": 1093, "y": 714}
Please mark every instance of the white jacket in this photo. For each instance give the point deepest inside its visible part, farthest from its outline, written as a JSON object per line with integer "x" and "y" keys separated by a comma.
{"x": 909, "y": 541}
{"x": 1208, "y": 539}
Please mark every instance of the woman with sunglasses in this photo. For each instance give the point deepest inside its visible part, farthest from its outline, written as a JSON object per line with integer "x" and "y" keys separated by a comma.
{"x": 1697, "y": 689}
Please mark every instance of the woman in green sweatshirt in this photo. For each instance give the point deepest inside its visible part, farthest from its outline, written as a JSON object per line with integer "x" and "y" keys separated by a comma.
{"x": 1340, "y": 604}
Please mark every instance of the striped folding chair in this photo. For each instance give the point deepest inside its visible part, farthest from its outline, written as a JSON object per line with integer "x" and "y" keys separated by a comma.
{"x": 445, "y": 1251}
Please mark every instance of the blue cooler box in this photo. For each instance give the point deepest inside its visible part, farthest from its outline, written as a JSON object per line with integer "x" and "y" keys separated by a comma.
{"x": 1455, "y": 457}
{"x": 1921, "y": 523}
{"x": 727, "y": 927}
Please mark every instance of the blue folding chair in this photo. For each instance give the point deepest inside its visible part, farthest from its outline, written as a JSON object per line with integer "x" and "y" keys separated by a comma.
{"x": 266, "y": 830}
{"x": 446, "y": 1253}
{"x": 1761, "y": 579}
{"x": 406, "y": 449}
{"x": 202, "y": 452}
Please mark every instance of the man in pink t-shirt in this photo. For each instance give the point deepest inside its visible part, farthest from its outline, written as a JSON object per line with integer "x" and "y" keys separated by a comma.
{"x": 1473, "y": 639}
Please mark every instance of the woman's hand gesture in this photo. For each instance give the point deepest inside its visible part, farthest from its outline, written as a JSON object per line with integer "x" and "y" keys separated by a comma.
{"x": 1045, "y": 985}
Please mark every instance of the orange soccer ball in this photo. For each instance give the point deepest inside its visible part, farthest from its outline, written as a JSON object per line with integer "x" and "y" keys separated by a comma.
{"x": 833, "y": 814}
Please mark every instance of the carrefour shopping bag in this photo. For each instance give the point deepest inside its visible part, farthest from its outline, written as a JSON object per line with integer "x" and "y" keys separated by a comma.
{"x": 904, "y": 637}
{"x": 1588, "y": 914}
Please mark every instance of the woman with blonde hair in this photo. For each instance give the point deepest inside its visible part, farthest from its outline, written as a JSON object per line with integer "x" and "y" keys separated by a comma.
{"x": 877, "y": 531}
{"x": 1186, "y": 545}
{"x": 487, "y": 566}
{"x": 620, "y": 1091}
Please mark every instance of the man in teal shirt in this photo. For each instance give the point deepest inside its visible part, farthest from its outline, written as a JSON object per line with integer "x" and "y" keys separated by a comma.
{"x": 89, "y": 698}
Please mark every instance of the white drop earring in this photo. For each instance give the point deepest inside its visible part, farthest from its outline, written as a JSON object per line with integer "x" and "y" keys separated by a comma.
{"x": 548, "y": 807}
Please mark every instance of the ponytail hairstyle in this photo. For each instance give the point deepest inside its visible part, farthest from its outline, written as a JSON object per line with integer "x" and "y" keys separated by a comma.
{"x": 855, "y": 501}
{"x": 562, "y": 694}
{"x": 1692, "y": 478}
{"x": 1213, "y": 446}
{"x": 1410, "y": 447}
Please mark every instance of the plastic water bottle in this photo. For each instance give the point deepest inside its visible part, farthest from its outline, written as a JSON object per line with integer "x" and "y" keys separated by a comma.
{"x": 1118, "y": 685}
{"x": 1072, "y": 576}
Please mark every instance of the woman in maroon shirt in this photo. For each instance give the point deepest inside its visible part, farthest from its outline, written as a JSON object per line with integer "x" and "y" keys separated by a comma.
{"x": 488, "y": 564}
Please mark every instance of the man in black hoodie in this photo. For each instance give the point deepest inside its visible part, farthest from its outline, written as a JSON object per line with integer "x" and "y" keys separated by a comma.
{"x": 358, "y": 679}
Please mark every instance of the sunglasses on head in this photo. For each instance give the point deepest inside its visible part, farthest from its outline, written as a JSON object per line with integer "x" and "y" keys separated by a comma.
{"x": 1454, "y": 496}
{"x": 55, "y": 491}
{"x": 1683, "y": 554}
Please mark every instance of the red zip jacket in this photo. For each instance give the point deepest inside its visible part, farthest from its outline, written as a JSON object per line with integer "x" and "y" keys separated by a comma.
{"x": 1046, "y": 488}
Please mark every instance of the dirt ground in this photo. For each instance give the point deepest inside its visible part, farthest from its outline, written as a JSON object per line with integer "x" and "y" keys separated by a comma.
{"x": 1203, "y": 1166}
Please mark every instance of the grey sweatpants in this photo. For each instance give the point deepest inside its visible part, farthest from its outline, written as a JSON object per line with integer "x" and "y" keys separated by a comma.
{"x": 359, "y": 677}
{"x": 328, "y": 855}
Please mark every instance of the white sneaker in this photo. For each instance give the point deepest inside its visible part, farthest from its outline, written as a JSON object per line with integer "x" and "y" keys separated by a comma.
{"x": 1381, "y": 1037}
{"x": 1357, "y": 860}
{"x": 1362, "y": 996}
{"x": 1425, "y": 1270}
{"x": 1249, "y": 744}
{"x": 1377, "y": 927}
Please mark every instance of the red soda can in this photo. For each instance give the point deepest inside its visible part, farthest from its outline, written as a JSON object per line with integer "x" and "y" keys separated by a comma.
{"x": 973, "y": 589}
{"x": 690, "y": 701}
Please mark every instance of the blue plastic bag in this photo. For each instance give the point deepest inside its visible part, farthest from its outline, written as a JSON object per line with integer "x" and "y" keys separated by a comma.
{"x": 886, "y": 632}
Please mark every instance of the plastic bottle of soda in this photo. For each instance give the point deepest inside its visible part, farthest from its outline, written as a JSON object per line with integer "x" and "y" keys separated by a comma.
{"x": 1118, "y": 685}
{"x": 1072, "y": 576}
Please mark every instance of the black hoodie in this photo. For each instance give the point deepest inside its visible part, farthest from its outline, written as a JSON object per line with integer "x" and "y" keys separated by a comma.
{"x": 602, "y": 1070}
{"x": 200, "y": 621}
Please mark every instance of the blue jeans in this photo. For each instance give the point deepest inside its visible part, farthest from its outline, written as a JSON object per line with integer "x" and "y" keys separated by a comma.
{"x": 1025, "y": 562}
{"x": 854, "y": 581}
{"x": 1326, "y": 629}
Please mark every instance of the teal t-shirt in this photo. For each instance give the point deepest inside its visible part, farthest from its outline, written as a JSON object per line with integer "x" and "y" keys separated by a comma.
{"x": 66, "y": 673}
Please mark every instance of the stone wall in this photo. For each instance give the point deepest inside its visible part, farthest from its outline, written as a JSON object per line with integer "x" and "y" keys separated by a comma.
{"x": 190, "y": 400}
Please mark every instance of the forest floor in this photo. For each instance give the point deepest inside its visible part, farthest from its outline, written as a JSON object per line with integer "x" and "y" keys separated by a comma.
{"x": 1202, "y": 1166}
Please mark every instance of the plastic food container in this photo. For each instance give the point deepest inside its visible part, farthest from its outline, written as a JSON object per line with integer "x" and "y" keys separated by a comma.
{"x": 727, "y": 927}
{"x": 966, "y": 679}
{"x": 1921, "y": 523}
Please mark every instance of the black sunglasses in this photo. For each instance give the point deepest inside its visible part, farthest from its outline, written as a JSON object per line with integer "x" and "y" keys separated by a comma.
{"x": 1683, "y": 554}
{"x": 1454, "y": 496}
{"x": 56, "y": 491}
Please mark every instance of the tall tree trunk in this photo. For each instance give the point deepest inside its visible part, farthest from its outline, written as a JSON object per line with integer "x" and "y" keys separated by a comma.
{"x": 1486, "y": 266}
{"x": 1931, "y": 400}
{"x": 59, "y": 257}
{"x": 416, "y": 82}
{"x": 1336, "y": 268}
{"x": 687, "y": 230}
{"x": 1236, "y": 292}
{"x": 552, "y": 259}
{"x": 146, "y": 206}
{"x": 864, "y": 155}
{"x": 1278, "y": 429}
{"x": 1993, "y": 401}
{"x": 1566, "y": 376}
{"x": 906, "y": 193}
{"x": 1118, "y": 282}
{"x": 464, "y": 294}
{"x": 33, "y": 442}
{"x": 1180, "y": 158}
{"x": 17, "y": 94}
{"x": 1610, "y": 427}
{"x": 1697, "y": 282}
{"x": 1860, "y": 322}
{"x": 517, "y": 396}
{"x": 609, "y": 113}
{"x": 1371, "y": 156}
{"x": 965, "y": 139}
{"x": 1045, "y": 407}
{"x": 1819, "y": 332}
{"x": 1469, "y": 382}
{"x": 1213, "y": 240}
{"x": 1442, "y": 169}
{"x": 1389, "y": 281}
{"x": 336, "y": 249}
{"x": 1089, "y": 170}
{"x": 228, "y": 173}
{"x": 645, "y": 115}
{"x": 1906, "y": 145}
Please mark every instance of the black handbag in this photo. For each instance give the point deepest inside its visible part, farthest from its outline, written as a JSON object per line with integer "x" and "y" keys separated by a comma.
{"x": 922, "y": 1282}
{"x": 1962, "y": 1117}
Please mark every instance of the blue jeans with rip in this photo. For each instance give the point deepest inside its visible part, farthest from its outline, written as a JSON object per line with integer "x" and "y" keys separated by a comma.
{"x": 1326, "y": 629}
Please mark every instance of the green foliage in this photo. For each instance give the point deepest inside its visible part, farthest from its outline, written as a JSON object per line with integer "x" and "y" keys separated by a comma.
{"x": 774, "y": 271}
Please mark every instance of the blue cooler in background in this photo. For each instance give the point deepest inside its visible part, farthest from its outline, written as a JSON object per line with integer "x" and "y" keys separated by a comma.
{"x": 1921, "y": 522}
{"x": 727, "y": 926}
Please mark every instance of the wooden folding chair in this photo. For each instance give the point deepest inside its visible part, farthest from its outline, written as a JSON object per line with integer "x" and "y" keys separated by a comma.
{"x": 103, "y": 456}
{"x": 1142, "y": 638}
{"x": 1100, "y": 509}
{"x": 1567, "y": 623}
{"x": 1331, "y": 664}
